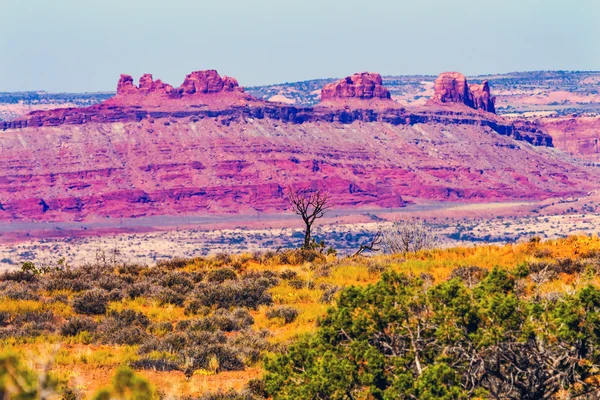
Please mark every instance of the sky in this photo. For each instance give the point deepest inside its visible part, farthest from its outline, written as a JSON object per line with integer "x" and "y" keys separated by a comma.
{"x": 83, "y": 45}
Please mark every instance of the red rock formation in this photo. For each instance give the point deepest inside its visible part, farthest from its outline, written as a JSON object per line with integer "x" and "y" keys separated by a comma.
{"x": 125, "y": 85}
{"x": 452, "y": 87}
{"x": 208, "y": 82}
{"x": 152, "y": 93}
{"x": 482, "y": 99}
{"x": 364, "y": 85}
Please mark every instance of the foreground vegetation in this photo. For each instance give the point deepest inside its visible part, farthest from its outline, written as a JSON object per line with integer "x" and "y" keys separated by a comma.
{"x": 514, "y": 321}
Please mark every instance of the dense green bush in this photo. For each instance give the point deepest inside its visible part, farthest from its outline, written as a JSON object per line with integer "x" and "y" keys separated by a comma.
{"x": 402, "y": 339}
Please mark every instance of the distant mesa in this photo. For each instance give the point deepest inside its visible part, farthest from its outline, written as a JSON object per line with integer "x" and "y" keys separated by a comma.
{"x": 364, "y": 85}
{"x": 196, "y": 83}
{"x": 452, "y": 87}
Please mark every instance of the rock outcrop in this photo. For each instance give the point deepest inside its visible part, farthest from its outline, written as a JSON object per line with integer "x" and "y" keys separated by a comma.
{"x": 482, "y": 99}
{"x": 208, "y": 82}
{"x": 452, "y": 87}
{"x": 364, "y": 85}
{"x": 196, "y": 84}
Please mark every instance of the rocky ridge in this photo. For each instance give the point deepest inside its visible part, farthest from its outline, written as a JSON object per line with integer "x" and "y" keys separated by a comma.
{"x": 212, "y": 149}
{"x": 204, "y": 94}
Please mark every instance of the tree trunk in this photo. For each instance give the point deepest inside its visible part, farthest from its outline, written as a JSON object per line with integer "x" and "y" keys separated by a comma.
{"x": 307, "y": 237}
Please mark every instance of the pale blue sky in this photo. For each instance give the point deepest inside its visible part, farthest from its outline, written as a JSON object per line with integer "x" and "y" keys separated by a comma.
{"x": 83, "y": 45}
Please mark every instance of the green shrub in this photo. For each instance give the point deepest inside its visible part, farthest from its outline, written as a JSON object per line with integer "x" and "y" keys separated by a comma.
{"x": 402, "y": 338}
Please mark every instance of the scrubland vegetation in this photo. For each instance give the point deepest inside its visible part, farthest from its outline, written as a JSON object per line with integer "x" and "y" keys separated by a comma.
{"x": 514, "y": 321}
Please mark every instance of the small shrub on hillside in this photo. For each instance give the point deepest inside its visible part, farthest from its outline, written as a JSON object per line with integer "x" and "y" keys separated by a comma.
{"x": 257, "y": 387}
{"x": 195, "y": 307}
{"x": 470, "y": 275}
{"x": 161, "y": 328}
{"x": 178, "y": 281}
{"x": 59, "y": 298}
{"x": 222, "y": 259}
{"x": 116, "y": 295}
{"x": 301, "y": 256}
{"x": 70, "y": 280}
{"x": 170, "y": 296}
{"x": 18, "y": 291}
{"x": 222, "y": 320}
{"x": 131, "y": 269}
{"x": 151, "y": 364}
{"x": 329, "y": 292}
{"x": 125, "y": 327}
{"x": 229, "y": 395}
{"x": 5, "y": 318}
{"x": 91, "y": 302}
{"x": 183, "y": 325}
{"x": 322, "y": 270}
{"x": 374, "y": 267}
{"x": 427, "y": 278}
{"x": 542, "y": 253}
{"x": 251, "y": 345}
{"x": 173, "y": 264}
{"x": 18, "y": 276}
{"x": 109, "y": 282}
{"x": 569, "y": 266}
{"x": 221, "y": 275}
{"x": 75, "y": 325}
{"x": 287, "y": 313}
{"x": 247, "y": 293}
{"x": 144, "y": 289}
{"x": 270, "y": 277}
{"x": 27, "y": 324}
{"x": 288, "y": 274}
{"x": 301, "y": 284}
{"x": 217, "y": 357}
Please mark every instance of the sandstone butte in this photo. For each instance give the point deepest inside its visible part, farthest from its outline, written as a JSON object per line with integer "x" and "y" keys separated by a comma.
{"x": 452, "y": 87}
{"x": 208, "y": 147}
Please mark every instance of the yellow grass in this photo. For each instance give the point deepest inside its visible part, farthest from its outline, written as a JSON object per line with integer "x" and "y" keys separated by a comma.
{"x": 91, "y": 366}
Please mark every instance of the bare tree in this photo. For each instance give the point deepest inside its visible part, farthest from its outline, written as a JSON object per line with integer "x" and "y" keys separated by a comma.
{"x": 407, "y": 236}
{"x": 310, "y": 205}
{"x": 374, "y": 245}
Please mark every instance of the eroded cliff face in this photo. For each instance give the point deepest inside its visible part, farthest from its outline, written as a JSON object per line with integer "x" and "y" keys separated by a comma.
{"x": 166, "y": 166}
{"x": 576, "y": 135}
{"x": 211, "y": 149}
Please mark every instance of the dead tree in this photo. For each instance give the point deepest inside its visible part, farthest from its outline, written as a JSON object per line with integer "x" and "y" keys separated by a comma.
{"x": 408, "y": 236}
{"x": 310, "y": 205}
{"x": 373, "y": 245}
